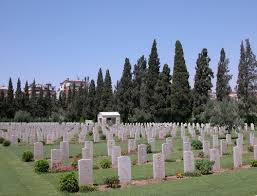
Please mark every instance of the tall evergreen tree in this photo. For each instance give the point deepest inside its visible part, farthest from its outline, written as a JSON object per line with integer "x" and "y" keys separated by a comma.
{"x": 49, "y": 106}
{"x": 2, "y": 105}
{"x": 10, "y": 101}
{"x": 202, "y": 85}
{"x": 33, "y": 100}
{"x": 85, "y": 96}
{"x": 26, "y": 97}
{"x": 40, "y": 109}
{"x": 69, "y": 97}
{"x": 91, "y": 106}
{"x": 247, "y": 83}
{"x": 124, "y": 101}
{"x": 99, "y": 91}
{"x": 181, "y": 99}
{"x": 162, "y": 96}
{"x": 18, "y": 96}
{"x": 107, "y": 94}
{"x": 222, "y": 85}
{"x": 148, "y": 101}
{"x": 242, "y": 74}
{"x": 138, "y": 77}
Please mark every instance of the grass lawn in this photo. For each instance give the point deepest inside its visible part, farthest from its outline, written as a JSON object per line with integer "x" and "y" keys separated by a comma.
{"x": 18, "y": 178}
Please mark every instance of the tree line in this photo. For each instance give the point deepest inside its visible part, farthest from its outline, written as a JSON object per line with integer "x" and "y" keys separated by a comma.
{"x": 145, "y": 93}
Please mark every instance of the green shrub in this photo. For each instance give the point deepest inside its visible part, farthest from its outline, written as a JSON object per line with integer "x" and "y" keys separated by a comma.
{"x": 95, "y": 167}
{"x": 254, "y": 163}
{"x": 90, "y": 133}
{"x": 197, "y": 145}
{"x": 250, "y": 148}
{"x": 112, "y": 182}
{"x": 1, "y": 140}
{"x": 69, "y": 183}
{"x": 105, "y": 163}
{"x": 102, "y": 137}
{"x": 168, "y": 135}
{"x": 22, "y": 116}
{"x": 41, "y": 166}
{"x": 6, "y": 143}
{"x": 204, "y": 166}
{"x": 74, "y": 163}
{"x": 88, "y": 188}
{"x": 201, "y": 154}
{"x": 27, "y": 156}
{"x": 43, "y": 142}
{"x": 193, "y": 174}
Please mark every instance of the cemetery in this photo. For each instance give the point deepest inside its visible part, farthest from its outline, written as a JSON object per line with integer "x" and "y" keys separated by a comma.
{"x": 128, "y": 98}
{"x": 127, "y": 158}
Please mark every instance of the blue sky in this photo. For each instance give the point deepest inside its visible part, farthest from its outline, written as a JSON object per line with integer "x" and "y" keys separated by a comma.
{"x": 52, "y": 40}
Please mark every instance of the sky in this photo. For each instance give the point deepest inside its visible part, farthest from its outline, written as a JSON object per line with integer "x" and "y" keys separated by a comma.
{"x": 54, "y": 40}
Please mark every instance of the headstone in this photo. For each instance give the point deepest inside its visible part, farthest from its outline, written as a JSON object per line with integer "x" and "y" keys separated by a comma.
{"x": 110, "y": 144}
{"x": 49, "y": 139}
{"x": 13, "y": 140}
{"x": 87, "y": 153}
{"x": 38, "y": 151}
{"x": 142, "y": 154}
{"x": 56, "y": 157}
{"x": 89, "y": 150}
{"x": 169, "y": 140}
{"x": 228, "y": 139}
{"x": 186, "y": 146}
{"x": 64, "y": 146}
{"x": 215, "y": 156}
{"x": 237, "y": 157}
{"x": 223, "y": 147}
{"x": 158, "y": 166}
{"x": 85, "y": 170}
{"x": 116, "y": 152}
{"x": 124, "y": 169}
{"x": 251, "y": 138}
{"x": 215, "y": 141}
{"x": 206, "y": 148}
{"x": 166, "y": 151}
{"x": 132, "y": 145}
{"x": 189, "y": 162}
{"x": 152, "y": 143}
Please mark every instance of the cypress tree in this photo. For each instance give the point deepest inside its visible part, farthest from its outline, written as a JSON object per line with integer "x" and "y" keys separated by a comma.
{"x": 41, "y": 104}
{"x": 180, "y": 100}
{"x": 222, "y": 85}
{"x": 202, "y": 85}
{"x": 69, "y": 97}
{"x": 107, "y": 94}
{"x": 162, "y": 96}
{"x": 26, "y": 97}
{"x": 18, "y": 96}
{"x": 48, "y": 102}
{"x": 138, "y": 77}
{"x": 33, "y": 99}
{"x": 247, "y": 83}
{"x": 91, "y": 106}
{"x": 124, "y": 101}
{"x": 99, "y": 91}
{"x": 10, "y": 101}
{"x": 85, "y": 96}
{"x": 2, "y": 105}
{"x": 148, "y": 101}
{"x": 242, "y": 73}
